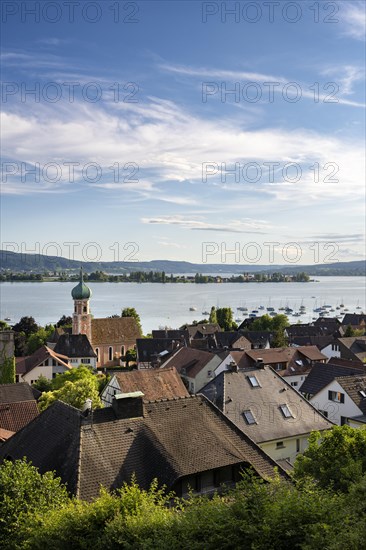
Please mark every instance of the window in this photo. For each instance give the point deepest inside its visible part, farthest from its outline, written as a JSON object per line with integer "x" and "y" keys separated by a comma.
{"x": 85, "y": 309}
{"x": 216, "y": 479}
{"x": 294, "y": 384}
{"x": 297, "y": 445}
{"x": 110, "y": 353}
{"x": 54, "y": 364}
{"x": 122, "y": 350}
{"x": 75, "y": 311}
{"x": 249, "y": 417}
{"x": 335, "y": 347}
{"x": 254, "y": 382}
{"x": 197, "y": 483}
{"x": 363, "y": 393}
{"x": 286, "y": 411}
{"x": 336, "y": 396}
{"x": 85, "y": 361}
{"x": 279, "y": 366}
{"x": 344, "y": 420}
{"x": 209, "y": 373}
{"x": 280, "y": 445}
{"x": 324, "y": 413}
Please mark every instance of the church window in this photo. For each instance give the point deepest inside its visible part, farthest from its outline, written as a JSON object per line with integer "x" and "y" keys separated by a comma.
{"x": 85, "y": 309}
{"x": 122, "y": 350}
{"x": 110, "y": 353}
{"x": 97, "y": 352}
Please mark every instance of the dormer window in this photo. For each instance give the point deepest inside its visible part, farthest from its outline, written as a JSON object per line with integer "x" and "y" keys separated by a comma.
{"x": 249, "y": 417}
{"x": 253, "y": 381}
{"x": 286, "y": 411}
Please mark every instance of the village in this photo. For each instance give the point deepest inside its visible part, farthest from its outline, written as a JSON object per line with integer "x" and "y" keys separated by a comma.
{"x": 192, "y": 406}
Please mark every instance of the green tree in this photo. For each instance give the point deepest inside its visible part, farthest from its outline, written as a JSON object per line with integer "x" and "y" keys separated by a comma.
{"x": 4, "y": 325}
{"x": 335, "y": 459}
{"x": 26, "y": 325}
{"x": 39, "y": 338}
{"x": 213, "y": 316}
{"x": 349, "y": 331}
{"x": 7, "y": 370}
{"x": 82, "y": 372}
{"x": 225, "y": 318}
{"x": 64, "y": 321}
{"x": 131, "y": 312}
{"x": 42, "y": 384}
{"x": 73, "y": 393}
{"x": 23, "y": 491}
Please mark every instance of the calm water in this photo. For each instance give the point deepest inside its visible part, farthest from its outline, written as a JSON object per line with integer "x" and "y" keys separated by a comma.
{"x": 168, "y": 305}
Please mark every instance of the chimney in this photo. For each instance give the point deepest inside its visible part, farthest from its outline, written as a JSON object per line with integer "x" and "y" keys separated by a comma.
{"x": 233, "y": 367}
{"x": 259, "y": 363}
{"x": 128, "y": 405}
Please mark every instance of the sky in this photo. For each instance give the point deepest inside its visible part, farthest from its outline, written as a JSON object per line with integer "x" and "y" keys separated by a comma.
{"x": 209, "y": 132}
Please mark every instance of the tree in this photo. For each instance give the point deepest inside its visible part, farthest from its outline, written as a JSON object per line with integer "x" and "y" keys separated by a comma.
{"x": 64, "y": 321}
{"x": 4, "y": 326}
{"x": 26, "y": 325}
{"x": 334, "y": 459}
{"x": 73, "y": 393}
{"x": 7, "y": 370}
{"x": 131, "y": 312}
{"x": 349, "y": 331}
{"x": 23, "y": 491}
{"x": 213, "y": 316}
{"x": 42, "y": 384}
{"x": 225, "y": 318}
{"x": 39, "y": 338}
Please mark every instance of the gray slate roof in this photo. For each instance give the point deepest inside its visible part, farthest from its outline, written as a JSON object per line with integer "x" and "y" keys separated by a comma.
{"x": 353, "y": 385}
{"x": 233, "y": 393}
{"x": 74, "y": 345}
{"x": 323, "y": 373}
{"x": 173, "y": 439}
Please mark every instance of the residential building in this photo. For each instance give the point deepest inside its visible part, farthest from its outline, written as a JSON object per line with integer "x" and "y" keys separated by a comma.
{"x": 267, "y": 409}
{"x": 77, "y": 348}
{"x": 18, "y": 407}
{"x": 196, "y": 367}
{"x": 343, "y": 400}
{"x": 184, "y": 443}
{"x": 43, "y": 362}
{"x": 155, "y": 384}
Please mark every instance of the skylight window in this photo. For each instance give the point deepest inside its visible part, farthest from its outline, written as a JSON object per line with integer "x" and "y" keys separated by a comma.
{"x": 363, "y": 393}
{"x": 249, "y": 417}
{"x": 286, "y": 411}
{"x": 299, "y": 362}
{"x": 254, "y": 382}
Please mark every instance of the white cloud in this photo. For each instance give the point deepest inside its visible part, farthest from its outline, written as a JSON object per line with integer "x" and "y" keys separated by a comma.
{"x": 352, "y": 17}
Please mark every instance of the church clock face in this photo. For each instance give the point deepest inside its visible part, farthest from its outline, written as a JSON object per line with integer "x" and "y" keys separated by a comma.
{"x": 84, "y": 318}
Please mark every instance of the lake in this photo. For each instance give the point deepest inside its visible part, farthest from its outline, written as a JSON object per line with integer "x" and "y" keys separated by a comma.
{"x": 168, "y": 304}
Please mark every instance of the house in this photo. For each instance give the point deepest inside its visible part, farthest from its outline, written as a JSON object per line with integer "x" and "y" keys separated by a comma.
{"x": 330, "y": 326}
{"x": 322, "y": 374}
{"x": 267, "y": 409}
{"x": 155, "y": 384}
{"x": 259, "y": 339}
{"x": 43, "y": 362}
{"x": 151, "y": 352}
{"x": 174, "y": 334}
{"x": 355, "y": 320}
{"x": 18, "y": 407}
{"x": 352, "y": 348}
{"x": 232, "y": 341}
{"x": 77, "y": 348}
{"x": 343, "y": 400}
{"x": 294, "y": 364}
{"x": 196, "y": 367}
{"x": 184, "y": 443}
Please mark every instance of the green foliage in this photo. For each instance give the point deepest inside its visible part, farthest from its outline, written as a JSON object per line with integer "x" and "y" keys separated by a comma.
{"x": 24, "y": 491}
{"x": 42, "y": 384}
{"x": 266, "y": 322}
{"x": 225, "y": 318}
{"x": 39, "y": 338}
{"x": 213, "y": 316}
{"x": 26, "y": 325}
{"x": 131, "y": 356}
{"x": 64, "y": 321}
{"x": 74, "y": 387}
{"x": 4, "y": 325}
{"x": 7, "y": 370}
{"x": 335, "y": 459}
{"x": 73, "y": 393}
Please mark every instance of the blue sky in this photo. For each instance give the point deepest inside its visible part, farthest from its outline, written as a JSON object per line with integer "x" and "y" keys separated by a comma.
{"x": 134, "y": 137}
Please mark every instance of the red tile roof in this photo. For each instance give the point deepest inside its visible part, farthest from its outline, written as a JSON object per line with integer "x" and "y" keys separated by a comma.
{"x": 155, "y": 384}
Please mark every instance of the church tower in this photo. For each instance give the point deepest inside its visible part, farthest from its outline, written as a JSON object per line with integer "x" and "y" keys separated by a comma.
{"x": 81, "y": 319}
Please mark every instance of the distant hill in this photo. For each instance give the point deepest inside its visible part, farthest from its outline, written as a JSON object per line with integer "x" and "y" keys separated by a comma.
{"x": 38, "y": 263}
